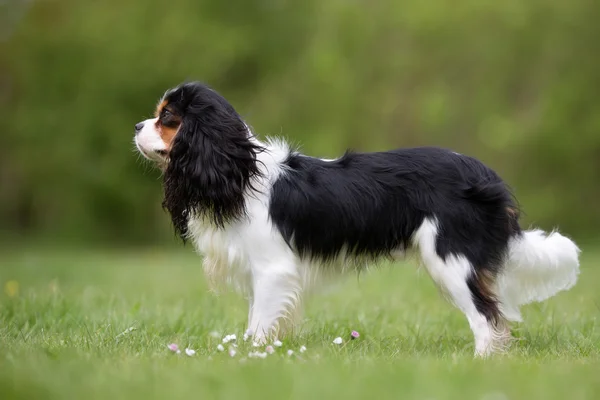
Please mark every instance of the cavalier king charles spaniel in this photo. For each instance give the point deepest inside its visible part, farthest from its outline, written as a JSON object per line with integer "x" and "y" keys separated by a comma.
{"x": 274, "y": 222}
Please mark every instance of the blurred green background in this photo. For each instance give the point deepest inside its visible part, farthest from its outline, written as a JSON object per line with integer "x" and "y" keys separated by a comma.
{"x": 514, "y": 83}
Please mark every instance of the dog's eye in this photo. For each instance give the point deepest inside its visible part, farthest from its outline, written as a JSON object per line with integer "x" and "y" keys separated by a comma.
{"x": 167, "y": 118}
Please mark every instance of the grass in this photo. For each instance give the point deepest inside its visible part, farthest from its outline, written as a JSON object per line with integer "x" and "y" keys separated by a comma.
{"x": 61, "y": 336}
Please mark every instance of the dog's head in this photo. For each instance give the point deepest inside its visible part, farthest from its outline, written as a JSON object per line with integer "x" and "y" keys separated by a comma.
{"x": 206, "y": 151}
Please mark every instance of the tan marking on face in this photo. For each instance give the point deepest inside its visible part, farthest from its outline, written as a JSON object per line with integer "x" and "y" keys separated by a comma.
{"x": 167, "y": 135}
{"x": 160, "y": 107}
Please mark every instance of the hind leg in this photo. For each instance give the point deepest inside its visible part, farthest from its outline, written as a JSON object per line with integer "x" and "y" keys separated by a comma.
{"x": 451, "y": 276}
{"x": 482, "y": 285}
{"x": 454, "y": 274}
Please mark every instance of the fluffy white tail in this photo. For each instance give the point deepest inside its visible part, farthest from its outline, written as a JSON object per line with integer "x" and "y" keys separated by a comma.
{"x": 539, "y": 266}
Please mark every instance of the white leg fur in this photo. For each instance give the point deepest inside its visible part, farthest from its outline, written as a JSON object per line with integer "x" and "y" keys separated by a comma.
{"x": 451, "y": 276}
{"x": 276, "y": 294}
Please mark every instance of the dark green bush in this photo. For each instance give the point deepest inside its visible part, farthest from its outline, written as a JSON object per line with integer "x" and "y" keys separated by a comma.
{"x": 513, "y": 83}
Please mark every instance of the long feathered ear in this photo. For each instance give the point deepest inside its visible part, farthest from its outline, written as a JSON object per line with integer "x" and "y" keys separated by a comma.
{"x": 212, "y": 161}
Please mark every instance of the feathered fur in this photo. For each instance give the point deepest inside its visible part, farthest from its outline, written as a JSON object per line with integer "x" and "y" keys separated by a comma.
{"x": 212, "y": 160}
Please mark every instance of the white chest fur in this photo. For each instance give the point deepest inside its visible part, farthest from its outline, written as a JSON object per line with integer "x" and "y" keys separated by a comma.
{"x": 226, "y": 252}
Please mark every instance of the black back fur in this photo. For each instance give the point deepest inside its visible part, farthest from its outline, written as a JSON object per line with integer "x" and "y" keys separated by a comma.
{"x": 212, "y": 158}
{"x": 371, "y": 204}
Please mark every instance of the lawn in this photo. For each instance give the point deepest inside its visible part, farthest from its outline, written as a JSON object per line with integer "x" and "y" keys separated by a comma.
{"x": 96, "y": 325}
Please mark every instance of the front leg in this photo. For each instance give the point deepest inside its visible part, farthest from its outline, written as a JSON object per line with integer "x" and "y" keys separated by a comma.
{"x": 276, "y": 295}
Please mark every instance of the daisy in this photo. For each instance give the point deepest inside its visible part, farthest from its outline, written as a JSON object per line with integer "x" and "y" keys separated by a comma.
{"x": 190, "y": 352}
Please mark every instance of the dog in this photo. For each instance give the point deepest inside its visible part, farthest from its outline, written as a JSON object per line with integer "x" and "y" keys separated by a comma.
{"x": 274, "y": 223}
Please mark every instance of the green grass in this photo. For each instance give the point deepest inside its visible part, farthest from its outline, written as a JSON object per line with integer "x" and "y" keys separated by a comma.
{"x": 60, "y": 336}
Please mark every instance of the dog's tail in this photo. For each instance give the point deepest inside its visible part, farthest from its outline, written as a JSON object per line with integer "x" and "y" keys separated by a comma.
{"x": 539, "y": 266}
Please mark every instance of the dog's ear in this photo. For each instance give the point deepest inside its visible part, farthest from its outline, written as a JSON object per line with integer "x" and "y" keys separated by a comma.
{"x": 212, "y": 161}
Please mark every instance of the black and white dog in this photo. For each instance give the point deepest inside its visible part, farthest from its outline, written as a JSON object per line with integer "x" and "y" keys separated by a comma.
{"x": 274, "y": 222}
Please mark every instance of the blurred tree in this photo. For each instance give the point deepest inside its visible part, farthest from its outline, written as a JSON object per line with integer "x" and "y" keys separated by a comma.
{"x": 513, "y": 83}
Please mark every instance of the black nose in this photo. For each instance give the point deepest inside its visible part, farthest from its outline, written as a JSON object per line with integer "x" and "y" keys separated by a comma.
{"x": 138, "y": 127}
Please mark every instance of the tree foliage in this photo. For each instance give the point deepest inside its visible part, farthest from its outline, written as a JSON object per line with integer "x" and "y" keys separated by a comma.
{"x": 513, "y": 83}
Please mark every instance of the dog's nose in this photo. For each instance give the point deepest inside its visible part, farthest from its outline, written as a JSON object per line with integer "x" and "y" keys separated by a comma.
{"x": 138, "y": 127}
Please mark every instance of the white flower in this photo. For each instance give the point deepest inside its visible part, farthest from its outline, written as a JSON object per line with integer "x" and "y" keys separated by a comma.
{"x": 338, "y": 340}
{"x": 232, "y": 352}
{"x": 302, "y": 349}
{"x": 228, "y": 338}
{"x": 262, "y": 355}
{"x": 277, "y": 343}
{"x": 255, "y": 344}
{"x": 233, "y": 337}
{"x": 270, "y": 349}
{"x": 290, "y": 352}
{"x": 220, "y": 347}
{"x": 247, "y": 334}
{"x": 190, "y": 352}
{"x": 215, "y": 334}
